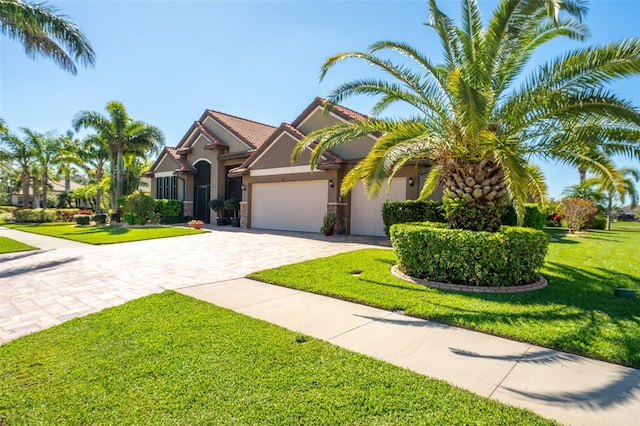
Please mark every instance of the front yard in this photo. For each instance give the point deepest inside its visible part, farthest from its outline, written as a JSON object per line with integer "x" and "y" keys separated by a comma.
{"x": 7, "y": 245}
{"x": 102, "y": 234}
{"x": 170, "y": 359}
{"x": 577, "y": 312}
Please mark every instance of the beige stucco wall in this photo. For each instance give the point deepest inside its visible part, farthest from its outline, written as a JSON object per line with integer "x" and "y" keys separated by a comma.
{"x": 278, "y": 154}
{"x": 235, "y": 145}
{"x": 358, "y": 148}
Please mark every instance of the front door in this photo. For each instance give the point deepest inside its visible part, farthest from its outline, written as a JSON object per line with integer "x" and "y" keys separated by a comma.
{"x": 232, "y": 185}
{"x": 202, "y": 192}
{"x": 201, "y": 208}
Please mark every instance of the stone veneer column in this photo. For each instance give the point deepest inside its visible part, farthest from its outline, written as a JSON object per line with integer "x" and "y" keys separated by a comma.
{"x": 187, "y": 208}
{"x": 244, "y": 214}
{"x": 340, "y": 210}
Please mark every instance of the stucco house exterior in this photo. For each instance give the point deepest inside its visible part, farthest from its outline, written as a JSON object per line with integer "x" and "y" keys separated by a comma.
{"x": 223, "y": 156}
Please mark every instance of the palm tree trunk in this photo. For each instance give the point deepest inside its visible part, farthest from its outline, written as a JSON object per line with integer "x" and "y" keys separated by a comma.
{"x": 609, "y": 208}
{"x": 119, "y": 176}
{"x": 479, "y": 187}
{"x": 112, "y": 185}
{"x": 24, "y": 177}
{"x": 583, "y": 174}
{"x": 99, "y": 174}
{"x": 45, "y": 181}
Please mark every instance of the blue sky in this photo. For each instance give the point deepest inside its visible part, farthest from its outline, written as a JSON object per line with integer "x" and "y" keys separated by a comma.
{"x": 168, "y": 61}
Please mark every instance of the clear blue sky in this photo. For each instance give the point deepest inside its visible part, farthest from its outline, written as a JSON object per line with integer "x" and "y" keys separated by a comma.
{"x": 168, "y": 61}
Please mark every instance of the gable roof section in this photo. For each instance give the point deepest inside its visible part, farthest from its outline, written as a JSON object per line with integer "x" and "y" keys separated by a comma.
{"x": 249, "y": 131}
{"x": 175, "y": 155}
{"x": 344, "y": 112}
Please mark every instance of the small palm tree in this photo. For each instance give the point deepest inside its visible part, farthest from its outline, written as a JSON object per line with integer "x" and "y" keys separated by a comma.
{"x": 43, "y": 31}
{"x": 47, "y": 151}
{"x": 620, "y": 185}
{"x": 123, "y": 134}
{"x": 473, "y": 123}
{"x": 18, "y": 151}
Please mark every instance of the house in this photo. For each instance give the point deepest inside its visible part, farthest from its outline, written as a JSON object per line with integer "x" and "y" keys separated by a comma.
{"x": 56, "y": 187}
{"x": 223, "y": 156}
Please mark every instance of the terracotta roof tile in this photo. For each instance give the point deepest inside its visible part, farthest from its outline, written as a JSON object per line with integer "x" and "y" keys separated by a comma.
{"x": 185, "y": 167}
{"x": 345, "y": 112}
{"x": 252, "y": 132}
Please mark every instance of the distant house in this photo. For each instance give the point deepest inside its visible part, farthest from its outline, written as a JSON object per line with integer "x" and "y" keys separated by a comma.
{"x": 223, "y": 156}
{"x": 56, "y": 187}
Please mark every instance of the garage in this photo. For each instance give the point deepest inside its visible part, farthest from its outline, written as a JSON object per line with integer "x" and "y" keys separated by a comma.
{"x": 366, "y": 215}
{"x": 289, "y": 206}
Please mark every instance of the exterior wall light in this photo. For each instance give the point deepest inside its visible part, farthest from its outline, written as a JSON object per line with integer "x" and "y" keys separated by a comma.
{"x": 410, "y": 181}
{"x": 244, "y": 188}
{"x": 330, "y": 183}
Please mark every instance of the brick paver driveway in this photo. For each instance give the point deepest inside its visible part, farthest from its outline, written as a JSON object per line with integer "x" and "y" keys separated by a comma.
{"x": 43, "y": 288}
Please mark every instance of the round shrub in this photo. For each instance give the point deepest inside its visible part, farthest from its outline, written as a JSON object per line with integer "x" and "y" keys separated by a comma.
{"x": 100, "y": 218}
{"x": 82, "y": 219}
{"x": 35, "y": 215}
{"x": 411, "y": 211}
{"x": 434, "y": 252}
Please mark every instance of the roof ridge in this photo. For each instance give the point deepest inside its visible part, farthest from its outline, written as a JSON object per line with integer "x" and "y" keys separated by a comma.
{"x": 211, "y": 111}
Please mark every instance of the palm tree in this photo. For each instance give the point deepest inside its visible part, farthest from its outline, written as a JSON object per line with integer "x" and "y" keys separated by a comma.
{"x": 47, "y": 152}
{"x": 43, "y": 31}
{"x": 479, "y": 129}
{"x": 123, "y": 135}
{"x": 93, "y": 156}
{"x": 618, "y": 187}
{"x": 20, "y": 152}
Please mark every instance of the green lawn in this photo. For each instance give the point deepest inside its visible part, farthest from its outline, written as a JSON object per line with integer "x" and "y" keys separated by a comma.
{"x": 102, "y": 234}
{"x": 171, "y": 359}
{"x": 7, "y": 245}
{"x": 576, "y": 313}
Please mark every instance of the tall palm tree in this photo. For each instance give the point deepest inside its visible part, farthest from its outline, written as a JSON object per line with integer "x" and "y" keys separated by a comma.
{"x": 47, "y": 151}
{"x": 477, "y": 119}
{"x": 18, "y": 151}
{"x": 618, "y": 187}
{"x": 93, "y": 156}
{"x": 43, "y": 31}
{"x": 123, "y": 135}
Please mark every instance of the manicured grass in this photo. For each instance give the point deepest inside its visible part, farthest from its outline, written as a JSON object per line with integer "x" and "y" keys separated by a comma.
{"x": 7, "y": 245}
{"x": 576, "y": 313}
{"x": 102, "y": 234}
{"x": 171, "y": 359}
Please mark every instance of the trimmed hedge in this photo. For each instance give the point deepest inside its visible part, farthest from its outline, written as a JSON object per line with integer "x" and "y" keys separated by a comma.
{"x": 533, "y": 218}
{"x": 35, "y": 215}
{"x": 99, "y": 218}
{"x": 432, "y": 251}
{"x": 82, "y": 219}
{"x": 170, "y": 210}
{"x": 66, "y": 215}
{"x": 411, "y": 211}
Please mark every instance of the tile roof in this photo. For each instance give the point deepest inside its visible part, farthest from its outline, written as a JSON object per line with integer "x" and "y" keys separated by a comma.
{"x": 344, "y": 112}
{"x": 252, "y": 132}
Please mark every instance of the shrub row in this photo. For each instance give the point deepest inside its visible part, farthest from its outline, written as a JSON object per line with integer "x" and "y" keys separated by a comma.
{"x": 411, "y": 211}
{"x": 433, "y": 211}
{"x": 36, "y": 215}
{"x": 170, "y": 211}
{"x": 432, "y": 251}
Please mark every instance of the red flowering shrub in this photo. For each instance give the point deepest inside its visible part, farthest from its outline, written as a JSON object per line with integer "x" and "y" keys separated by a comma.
{"x": 578, "y": 212}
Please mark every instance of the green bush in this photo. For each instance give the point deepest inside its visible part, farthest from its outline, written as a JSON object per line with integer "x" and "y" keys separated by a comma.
{"x": 82, "y": 219}
{"x": 100, "y": 218}
{"x": 66, "y": 215}
{"x": 460, "y": 215}
{"x": 139, "y": 208}
{"x": 9, "y": 209}
{"x": 169, "y": 210}
{"x": 35, "y": 215}
{"x": 533, "y": 218}
{"x": 411, "y": 211}
{"x": 431, "y": 251}
{"x": 599, "y": 222}
{"x": 115, "y": 217}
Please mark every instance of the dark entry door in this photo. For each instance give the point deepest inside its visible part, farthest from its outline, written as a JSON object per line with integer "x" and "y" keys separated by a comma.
{"x": 201, "y": 206}
{"x": 202, "y": 192}
{"x": 232, "y": 185}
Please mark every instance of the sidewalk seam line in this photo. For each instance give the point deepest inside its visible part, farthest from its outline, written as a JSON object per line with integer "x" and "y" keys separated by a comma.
{"x": 360, "y": 326}
{"x": 509, "y": 372}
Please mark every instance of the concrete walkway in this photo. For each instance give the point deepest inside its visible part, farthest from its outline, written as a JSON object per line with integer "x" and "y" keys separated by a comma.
{"x": 568, "y": 388}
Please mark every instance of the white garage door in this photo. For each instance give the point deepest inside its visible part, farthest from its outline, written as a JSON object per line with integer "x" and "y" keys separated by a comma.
{"x": 289, "y": 206}
{"x": 366, "y": 215}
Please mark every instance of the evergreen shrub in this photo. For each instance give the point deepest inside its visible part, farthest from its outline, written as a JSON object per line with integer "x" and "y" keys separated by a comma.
{"x": 411, "y": 211}
{"x": 434, "y": 252}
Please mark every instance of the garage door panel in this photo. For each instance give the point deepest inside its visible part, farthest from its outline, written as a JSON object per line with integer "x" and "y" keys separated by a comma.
{"x": 290, "y": 206}
{"x": 366, "y": 215}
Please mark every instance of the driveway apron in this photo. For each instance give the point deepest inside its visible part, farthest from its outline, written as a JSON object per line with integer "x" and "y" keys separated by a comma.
{"x": 65, "y": 279}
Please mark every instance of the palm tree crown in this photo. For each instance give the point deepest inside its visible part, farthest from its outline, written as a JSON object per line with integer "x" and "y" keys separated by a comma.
{"x": 44, "y": 32}
{"x": 479, "y": 129}
{"x": 122, "y": 135}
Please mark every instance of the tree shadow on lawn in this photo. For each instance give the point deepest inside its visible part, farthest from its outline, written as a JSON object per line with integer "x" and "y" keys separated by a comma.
{"x": 111, "y": 229}
{"x": 577, "y": 310}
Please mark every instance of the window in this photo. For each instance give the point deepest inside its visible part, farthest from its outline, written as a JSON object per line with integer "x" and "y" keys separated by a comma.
{"x": 167, "y": 187}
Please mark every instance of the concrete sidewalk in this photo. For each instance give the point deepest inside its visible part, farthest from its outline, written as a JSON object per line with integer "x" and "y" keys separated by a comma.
{"x": 568, "y": 388}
